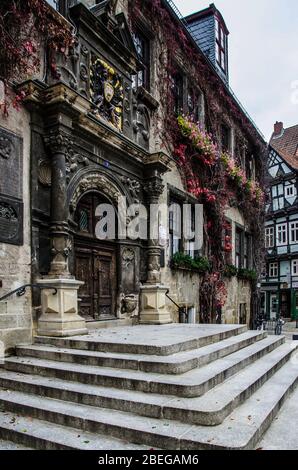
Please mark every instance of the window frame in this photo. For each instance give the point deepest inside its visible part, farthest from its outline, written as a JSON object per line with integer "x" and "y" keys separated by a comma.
{"x": 182, "y": 245}
{"x": 294, "y": 223}
{"x": 294, "y": 262}
{"x": 178, "y": 92}
{"x": 282, "y": 243}
{"x": 142, "y": 79}
{"x": 221, "y": 45}
{"x": 268, "y": 237}
{"x": 290, "y": 186}
{"x": 272, "y": 269}
{"x": 226, "y": 146}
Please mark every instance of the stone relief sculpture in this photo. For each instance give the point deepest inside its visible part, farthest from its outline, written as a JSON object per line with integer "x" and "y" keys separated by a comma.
{"x": 106, "y": 90}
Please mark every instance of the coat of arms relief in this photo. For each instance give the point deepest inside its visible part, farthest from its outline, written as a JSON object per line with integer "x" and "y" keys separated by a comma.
{"x": 106, "y": 90}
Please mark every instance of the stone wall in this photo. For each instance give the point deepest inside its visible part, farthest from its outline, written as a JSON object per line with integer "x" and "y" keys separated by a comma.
{"x": 15, "y": 259}
{"x": 239, "y": 292}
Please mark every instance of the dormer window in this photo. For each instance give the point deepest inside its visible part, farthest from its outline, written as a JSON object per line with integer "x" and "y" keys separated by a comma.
{"x": 221, "y": 45}
{"x": 142, "y": 45}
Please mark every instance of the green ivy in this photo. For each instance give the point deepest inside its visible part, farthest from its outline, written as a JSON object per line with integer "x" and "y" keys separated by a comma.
{"x": 230, "y": 271}
{"x": 183, "y": 261}
{"x": 247, "y": 274}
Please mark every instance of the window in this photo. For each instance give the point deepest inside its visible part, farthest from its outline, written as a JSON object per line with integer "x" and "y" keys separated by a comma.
{"x": 227, "y": 242}
{"x": 142, "y": 45}
{"x": 294, "y": 232}
{"x": 282, "y": 235}
{"x": 273, "y": 270}
{"x": 178, "y": 93}
{"x": 246, "y": 251}
{"x": 194, "y": 104}
{"x": 221, "y": 46}
{"x": 225, "y": 138}
{"x": 243, "y": 245}
{"x": 250, "y": 167}
{"x": 269, "y": 237}
{"x": 175, "y": 228}
{"x": 239, "y": 248}
{"x": 295, "y": 267}
{"x": 290, "y": 190}
{"x": 191, "y": 227}
{"x": 182, "y": 228}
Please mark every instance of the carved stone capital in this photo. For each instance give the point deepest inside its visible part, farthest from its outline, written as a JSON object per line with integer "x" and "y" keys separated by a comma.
{"x": 57, "y": 142}
{"x": 154, "y": 189}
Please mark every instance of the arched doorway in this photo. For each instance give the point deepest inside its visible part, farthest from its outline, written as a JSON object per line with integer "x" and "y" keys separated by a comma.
{"x": 95, "y": 263}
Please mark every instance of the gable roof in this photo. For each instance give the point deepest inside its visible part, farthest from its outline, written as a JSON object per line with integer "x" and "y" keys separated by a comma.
{"x": 286, "y": 145}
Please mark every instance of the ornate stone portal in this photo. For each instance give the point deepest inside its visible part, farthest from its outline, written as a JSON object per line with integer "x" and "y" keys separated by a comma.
{"x": 59, "y": 311}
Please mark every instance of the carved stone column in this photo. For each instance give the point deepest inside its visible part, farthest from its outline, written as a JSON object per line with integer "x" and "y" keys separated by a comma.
{"x": 59, "y": 311}
{"x": 57, "y": 142}
{"x": 153, "y": 189}
{"x": 154, "y": 309}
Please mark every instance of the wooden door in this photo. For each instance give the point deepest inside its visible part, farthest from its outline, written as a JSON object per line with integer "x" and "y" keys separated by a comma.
{"x": 95, "y": 265}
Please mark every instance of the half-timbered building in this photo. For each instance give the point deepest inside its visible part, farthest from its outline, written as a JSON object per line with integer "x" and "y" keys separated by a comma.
{"x": 280, "y": 283}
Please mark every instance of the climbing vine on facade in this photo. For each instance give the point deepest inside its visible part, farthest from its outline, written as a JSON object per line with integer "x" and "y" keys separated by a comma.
{"x": 26, "y": 28}
{"x": 215, "y": 178}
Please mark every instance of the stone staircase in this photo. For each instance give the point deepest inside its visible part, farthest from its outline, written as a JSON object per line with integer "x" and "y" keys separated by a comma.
{"x": 167, "y": 387}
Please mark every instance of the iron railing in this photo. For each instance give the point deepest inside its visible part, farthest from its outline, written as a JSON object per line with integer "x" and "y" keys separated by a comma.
{"x": 183, "y": 315}
{"x": 20, "y": 291}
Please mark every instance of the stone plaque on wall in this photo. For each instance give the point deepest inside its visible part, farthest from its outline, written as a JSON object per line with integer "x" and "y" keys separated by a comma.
{"x": 11, "y": 164}
{"x": 11, "y": 220}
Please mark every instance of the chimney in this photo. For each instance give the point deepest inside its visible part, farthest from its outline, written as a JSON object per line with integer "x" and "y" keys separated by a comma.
{"x": 278, "y": 128}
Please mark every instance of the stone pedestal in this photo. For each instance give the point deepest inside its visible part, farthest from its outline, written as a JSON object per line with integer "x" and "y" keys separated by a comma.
{"x": 60, "y": 312}
{"x": 154, "y": 305}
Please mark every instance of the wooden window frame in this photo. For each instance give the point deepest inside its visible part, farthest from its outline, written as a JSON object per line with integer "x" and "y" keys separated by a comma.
{"x": 142, "y": 79}
{"x": 268, "y": 237}
{"x": 243, "y": 256}
{"x": 182, "y": 243}
{"x": 272, "y": 269}
{"x": 293, "y": 227}
{"x": 294, "y": 271}
{"x": 221, "y": 50}
{"x": 278, "y": 232}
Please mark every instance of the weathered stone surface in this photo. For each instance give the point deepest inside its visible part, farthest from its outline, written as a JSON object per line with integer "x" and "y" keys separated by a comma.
{"x": 242, "y": 381}
{"x": 60, "y": 310}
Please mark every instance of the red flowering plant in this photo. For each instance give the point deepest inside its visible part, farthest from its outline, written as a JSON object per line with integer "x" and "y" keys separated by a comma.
{"x": 237, "y": 174}
{"x": 26, "y": 25}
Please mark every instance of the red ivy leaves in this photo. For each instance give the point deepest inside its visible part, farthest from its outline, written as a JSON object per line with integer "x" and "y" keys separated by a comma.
{"x": 24, "y": 25}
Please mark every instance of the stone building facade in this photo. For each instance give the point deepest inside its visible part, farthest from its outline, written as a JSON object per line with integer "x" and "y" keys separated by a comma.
{"x": 89, "y": 135}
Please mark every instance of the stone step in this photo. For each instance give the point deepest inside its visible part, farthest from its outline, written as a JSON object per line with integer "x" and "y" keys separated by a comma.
{"x": 191, "y": 384}
{"x": 241, "y": 430}
{"x": 161, "y": 340}
{"x": 43, "y": 435}
{"x": 211, "y": 409}
{"x": 175, "y": 364}
{"x": 9, "y": 445}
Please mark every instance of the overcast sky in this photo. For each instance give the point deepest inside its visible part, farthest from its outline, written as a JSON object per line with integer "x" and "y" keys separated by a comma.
{"x": 263, "y": 56}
